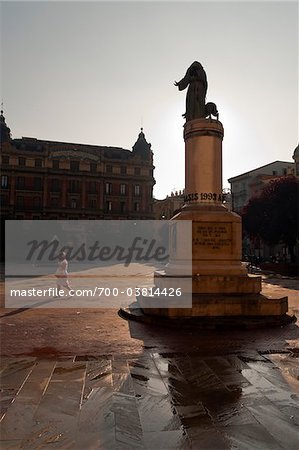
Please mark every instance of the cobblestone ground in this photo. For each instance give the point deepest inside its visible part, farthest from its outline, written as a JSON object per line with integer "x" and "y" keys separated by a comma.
{"x": 86, "y": 379}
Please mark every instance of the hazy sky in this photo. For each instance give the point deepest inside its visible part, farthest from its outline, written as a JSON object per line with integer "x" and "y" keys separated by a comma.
{"x": 93, "y": 72}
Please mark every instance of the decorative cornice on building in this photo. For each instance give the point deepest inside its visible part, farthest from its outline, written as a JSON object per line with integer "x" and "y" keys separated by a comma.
{"x": 71, "y": 154}
{"x": 33, "y": 144}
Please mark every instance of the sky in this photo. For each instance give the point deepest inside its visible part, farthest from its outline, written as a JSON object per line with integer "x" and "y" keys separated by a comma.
{"x": 95, "y": 72}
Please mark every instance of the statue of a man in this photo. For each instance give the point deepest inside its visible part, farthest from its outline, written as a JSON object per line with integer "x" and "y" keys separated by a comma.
{"x": 196, "y": 78}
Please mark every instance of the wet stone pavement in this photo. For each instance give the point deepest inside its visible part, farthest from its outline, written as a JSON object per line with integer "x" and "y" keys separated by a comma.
{"x": 153, "y": 401}
{"x": 86, "y": 379}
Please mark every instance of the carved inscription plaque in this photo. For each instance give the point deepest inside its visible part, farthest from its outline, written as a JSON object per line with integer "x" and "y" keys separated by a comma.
{"x": 212, "y": 237}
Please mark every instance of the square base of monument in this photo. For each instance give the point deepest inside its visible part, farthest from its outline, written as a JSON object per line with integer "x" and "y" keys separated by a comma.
{"x": 213, "y": 305}
{"x": 210, "y": 284}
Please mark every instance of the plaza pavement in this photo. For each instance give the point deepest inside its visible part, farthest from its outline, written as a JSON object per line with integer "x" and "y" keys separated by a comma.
{"x": 83, "y": 378}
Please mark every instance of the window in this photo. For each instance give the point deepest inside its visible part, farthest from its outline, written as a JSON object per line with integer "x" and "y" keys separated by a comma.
{"x": 22, "y": 162}
{"x": 136, "y": 189}
{"x": 137, "y": 171}
{"x": 55, "y": 185}
{"x": 55, "y": 163}
{"x": 5, "y": 159}
{"x": 123, "y": 189}
{"x": 136, "y": 207}
{"x": 74, "y": 166}
{"x": 284, "y": 171}
{"x": 123, "y": 170}
{"x": 92, "y": 203}
{"x": 4, "y": 181}
{"x": 54, "y": 201}
{"x": 74, "y": 186}
{"x": 93, "y": 167}
{"x": 274, "y": 172}
{"x": 20, "y": 201}
{"x": 122, "y": 207}
{"x": 37, "y": 202}
{"x": 38, "y": 163}
{"x": 37, "y": 184}
{"x": 108, "y": 206}
{"x": 109, "y": 168}
{"x": 4, "y": 200}
{"x": 92, "y": 187}
{"x": 108, "y": 188}
{"x": 20, "y": 182}
{"x": 73, "y": 203}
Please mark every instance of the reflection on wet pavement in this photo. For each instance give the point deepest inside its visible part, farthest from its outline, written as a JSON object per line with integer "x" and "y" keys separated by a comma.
{"x": 154, "y": 401}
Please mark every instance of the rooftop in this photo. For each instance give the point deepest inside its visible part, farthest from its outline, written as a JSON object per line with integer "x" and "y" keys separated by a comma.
{"x": 250, "y": 172}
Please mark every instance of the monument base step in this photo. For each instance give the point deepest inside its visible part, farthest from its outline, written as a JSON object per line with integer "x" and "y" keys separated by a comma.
{"x": 215, "y": 305}
{"x": 134, "y": 312}
{"x": 210, "y": 284}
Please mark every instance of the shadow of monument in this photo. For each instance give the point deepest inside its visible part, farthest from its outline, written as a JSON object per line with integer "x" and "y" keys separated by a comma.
{"x": 216, "y": 387}
{"x": 189, "y": 340}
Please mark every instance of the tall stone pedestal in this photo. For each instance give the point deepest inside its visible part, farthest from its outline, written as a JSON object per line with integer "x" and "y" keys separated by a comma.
{"x": 219, "y": 283}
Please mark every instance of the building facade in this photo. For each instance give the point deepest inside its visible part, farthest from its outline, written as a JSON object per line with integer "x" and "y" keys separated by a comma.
{"x": 59, "y": 180}
{"x": 166, "y": 208}
{"x": 250, "y": 184}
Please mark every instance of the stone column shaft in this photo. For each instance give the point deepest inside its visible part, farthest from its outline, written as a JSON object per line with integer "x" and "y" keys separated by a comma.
{"x": 203, "y": 161}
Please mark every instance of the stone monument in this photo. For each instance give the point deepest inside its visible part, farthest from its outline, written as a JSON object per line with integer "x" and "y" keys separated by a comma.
{"x": 221, "y": 286}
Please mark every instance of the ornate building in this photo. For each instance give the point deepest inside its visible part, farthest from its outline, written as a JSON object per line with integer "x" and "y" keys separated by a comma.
{"x": 60, "y": 180}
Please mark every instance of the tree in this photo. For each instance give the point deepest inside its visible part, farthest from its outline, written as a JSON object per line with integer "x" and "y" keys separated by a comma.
{"x": 273, "y": 215}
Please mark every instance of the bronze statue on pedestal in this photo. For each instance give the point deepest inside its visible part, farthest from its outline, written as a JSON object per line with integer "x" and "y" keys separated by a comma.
{"x": 196, "y": 106}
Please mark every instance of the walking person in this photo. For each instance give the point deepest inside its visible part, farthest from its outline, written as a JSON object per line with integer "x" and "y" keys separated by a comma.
{"x": 62, "y": 273}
